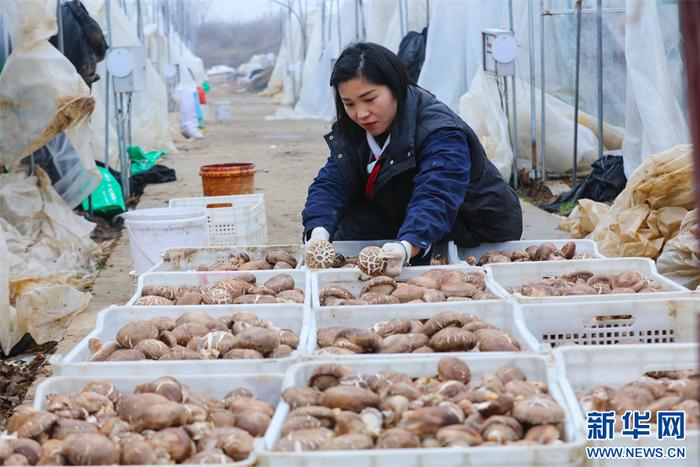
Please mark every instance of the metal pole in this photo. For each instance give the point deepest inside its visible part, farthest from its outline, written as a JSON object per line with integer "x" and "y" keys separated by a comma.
{"x": 139, "y": 21}
{"x": 340, "y": 36}
{"x": 403, "y": 33}
{"x": 543, "y": 168}
{"x": 576, "y": 89}
{"x": 515, "y": 110}
{"x": 357, "y": 26}
{"x": 600, "y": 78}
{"x": 533, "y": 91}
{"x": 108, "y": 78}
{"x": 59, "y": 18}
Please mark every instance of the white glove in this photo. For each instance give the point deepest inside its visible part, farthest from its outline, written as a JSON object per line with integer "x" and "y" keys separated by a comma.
{"x": 397, "y": 255}
{"x": 318, "y": 233}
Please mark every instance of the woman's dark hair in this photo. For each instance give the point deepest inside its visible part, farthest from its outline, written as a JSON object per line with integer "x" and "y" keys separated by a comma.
{"x": 375, "y": 64}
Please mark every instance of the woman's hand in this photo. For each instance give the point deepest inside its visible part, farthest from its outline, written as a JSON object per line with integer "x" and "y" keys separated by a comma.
{"x": 397, "y": 255}
{"x": 317, "y": 234}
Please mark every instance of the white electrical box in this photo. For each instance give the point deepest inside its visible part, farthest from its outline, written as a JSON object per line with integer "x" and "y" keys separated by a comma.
{"x": 127, "y": 65}
{"x": 499, "y": 50}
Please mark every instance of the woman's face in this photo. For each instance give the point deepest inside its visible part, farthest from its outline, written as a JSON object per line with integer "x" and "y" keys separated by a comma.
{"x": 372, "y": 106}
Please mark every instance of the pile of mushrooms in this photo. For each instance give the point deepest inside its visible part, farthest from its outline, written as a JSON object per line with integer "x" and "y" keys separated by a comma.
{"x": 588, "y": 283}
{"x": 544, "y": 252}
{"x": 196, "y": 336}
{"x": 274, "y": 259}
{"x": 445, "y": 332}
{"x": 341, "y": 409}
{"x": 163, "y": 422}
{"x": 434, "y": 285}
{"x": 240, "y": 290}
{"x": 654, "y": 392}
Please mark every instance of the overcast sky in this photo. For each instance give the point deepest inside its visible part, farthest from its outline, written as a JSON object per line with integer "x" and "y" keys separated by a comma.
{"x": 239, "y": 10}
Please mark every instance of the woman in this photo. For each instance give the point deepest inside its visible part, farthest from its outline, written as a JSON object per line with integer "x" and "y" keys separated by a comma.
{"x": 403, "y": 166}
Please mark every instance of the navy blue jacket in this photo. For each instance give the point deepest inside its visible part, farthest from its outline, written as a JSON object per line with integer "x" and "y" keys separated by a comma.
{"x": 435, "y": 183}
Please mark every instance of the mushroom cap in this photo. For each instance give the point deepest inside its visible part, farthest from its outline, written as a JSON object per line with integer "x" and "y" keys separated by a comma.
{"x": 259, "y": 265}
{"x": 67, "y": 426}
{"x": 304, "y": 440}
{"x": 423, "y": 281}
{"x": 90, "y": 449}
{"x": 349, "y": 441}
{"x": 124, "y": 355}
{"x": 280, "y": 282}
{"x": 30, "y": 423}
{"x": 433, "y": 295}
{"x": 458, "y": 289}
{"x": 216, "y": 296}
{"x": 453, "y": 369}
{"x": 253, "y": 421}
{"x": 350, "y": 398}
{"x": 458, "y": 435}
{"x": 569, "y": 250}
{"x": 320, "y": 255}
{"x": 408, "y": 292}
{"x": 395, "y": 343}
{"x": 510, "y": 372}
{"x": 370, "y": 262}
{"x": 382, "y": 285}
{"x": 396, "y": 438}
{"x": 440, "y": 321}
{"x": 364, "y": 338}
{"x": 452, "y": 340}
{"x": 164, "y": 291}
{"x": 543, "y": 434}
{"x": 427, "y": 420}
{"x": 328, "y": 374}
{"x": 630, "y": 280}
{"x": 301, "y": 396}
{"x": 133, "y": 333}
{"x": 299, "y": 422}
{"x": 294, "y": 295}
{"x": 332, "y": 290}
{"x": 259, "y": 339}
{"x": 538, "y": 410}
{"x": 495, "y": 340}
{"x": 501, "y": 429}
{"x": 392, "y": 326}
{"x": 152, "y": 300}
{"x": 276, "y": 256}
{"x": 235, "y": 354}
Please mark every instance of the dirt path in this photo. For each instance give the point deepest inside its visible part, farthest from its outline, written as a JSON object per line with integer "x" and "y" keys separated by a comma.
{"x": 287, "y": 154}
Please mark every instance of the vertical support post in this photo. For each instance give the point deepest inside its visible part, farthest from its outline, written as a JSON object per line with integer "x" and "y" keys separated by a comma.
{"x": 599, "y": 18}
{"x": 514, "y": 106}
{"x": 403, "y": 31}
{"x": 533, "y": 89}
{"x": 576, "y": 90}
{"x": 543, "y": 164}
{"x": 139, "y": 22}
{"x": 108, "y": 79}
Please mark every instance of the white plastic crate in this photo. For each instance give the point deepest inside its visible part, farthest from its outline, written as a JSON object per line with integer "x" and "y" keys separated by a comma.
{"x": 189, "y": 259}
{"x": 112, "y": 319}
{"x": 349, "y": 278}
{"x": 457, "y": 254}
{"x": 176, "y": 279}
{"x": 583, "y": 367}
{"x": 517, "y": 274}
{"x": 241, "y": 221}
{"x": 600, "y": 322}
{"x": 534, "y": 367}
{"x": 352, "y": 248}
{"x": 263, "y": 386}
{"x": 499, "y": 313}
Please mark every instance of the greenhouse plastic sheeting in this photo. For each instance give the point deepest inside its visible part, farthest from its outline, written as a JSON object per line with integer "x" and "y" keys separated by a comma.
{"x": 41, "y": 94}
{"x": 45, "y": 258}
{"x": 481, "y": 110}
{"x": 650, "y": 209}
{"x": 584, "y": 218}
{"x": 654, "y": 119}
{"x": 680, "y": 259}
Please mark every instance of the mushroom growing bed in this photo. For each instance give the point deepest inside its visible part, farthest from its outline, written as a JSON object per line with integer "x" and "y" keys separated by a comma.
{"x": 415, "y": 285}
{"x": 221, "y": 288}
{"x": 542, "y": 278}
{"x": 272, "y": 318}
{"x": 398, "y": 412}
{"x": 390, "y": 326}
{"x": 230, "y": 258}
{"x": 580, "y": 369}
{"x": 146, "y": 421}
